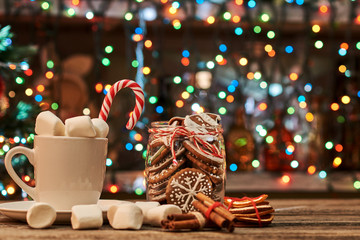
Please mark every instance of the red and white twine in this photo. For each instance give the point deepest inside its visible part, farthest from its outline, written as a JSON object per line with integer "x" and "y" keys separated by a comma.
{"x": 181, "y": 131}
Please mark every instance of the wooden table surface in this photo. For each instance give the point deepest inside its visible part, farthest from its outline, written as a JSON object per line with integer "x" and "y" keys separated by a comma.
{"x": 294, "y": 219}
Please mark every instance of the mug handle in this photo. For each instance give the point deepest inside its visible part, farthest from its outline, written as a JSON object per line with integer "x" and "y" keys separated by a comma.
{"x": 29, "y": 153}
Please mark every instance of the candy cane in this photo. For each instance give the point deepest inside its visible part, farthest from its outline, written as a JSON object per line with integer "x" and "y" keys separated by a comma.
{"x": 139, "y": 102}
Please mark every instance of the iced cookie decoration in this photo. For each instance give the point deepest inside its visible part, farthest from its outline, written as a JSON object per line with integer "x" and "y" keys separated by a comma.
{"x": 183, "y": 187}
{"x": 202, "y": 120}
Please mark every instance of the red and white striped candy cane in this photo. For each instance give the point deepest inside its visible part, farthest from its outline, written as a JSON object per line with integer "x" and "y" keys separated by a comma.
{"x": 139, "y": 102}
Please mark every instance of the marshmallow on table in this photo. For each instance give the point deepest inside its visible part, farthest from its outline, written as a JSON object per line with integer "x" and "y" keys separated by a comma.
{"x": 157, "y": 214}
{"x": 145, "y": 207}
{"x": 41, "y": 215}
{"x": 81, "y": 126}
{"x": 101, "y": 127}
{"x": 48, "y": 123}
{"x": 125, "y": 216}
{"x": 86, "y": 216}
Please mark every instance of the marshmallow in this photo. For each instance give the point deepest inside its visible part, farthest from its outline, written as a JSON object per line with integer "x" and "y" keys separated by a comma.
{"x": 156, "y": 215}
{"x": 41, "y": 215}
{"x": 145, "y": 207}
{"x": 125, "y": 216}
{"x": 86, "y": 216}
{"x": 101, "y": 127}
{"x": 79, "y": 127}
{"x": 48, "y": 123}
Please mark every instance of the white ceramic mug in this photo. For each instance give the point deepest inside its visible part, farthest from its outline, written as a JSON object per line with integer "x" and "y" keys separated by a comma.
{"x": 68, "y": 170}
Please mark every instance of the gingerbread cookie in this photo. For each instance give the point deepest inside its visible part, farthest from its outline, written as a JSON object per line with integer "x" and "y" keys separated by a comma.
{"x": 160, "y": 154}
{"x": 165, "y": 173}
{"x": 206, "y": 158}
{"x": 183, "y": 187}
{"x": 176, "y": 121}
{"x": 165, "y": 162}
{"x": 202, "y": 120}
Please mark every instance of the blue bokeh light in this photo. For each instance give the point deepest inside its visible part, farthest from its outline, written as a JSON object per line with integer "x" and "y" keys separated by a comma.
{"x": 239, "y": 31}
{"x": 223, "y": 48}
{"x": 186, "y": 53}
{"x": 252, "y": 4}
{"x": 159, "y": 109}
{"x": 38, "y": 98}
{"x": 233, "y": 167}
{"x": 129, "y": 146}
{"x": 289, "y": 49}
{"x": 138, "y": 30}
{"x": 231, "y": 88}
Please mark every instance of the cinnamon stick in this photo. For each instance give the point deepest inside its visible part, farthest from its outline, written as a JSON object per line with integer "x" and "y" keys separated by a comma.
{"x": 179, "y": 217}
{"x": 185, "y": 224}
{"x": 165, "y": 224}
{"x": 215, "y": 217}
{"x": 220, "y": 210}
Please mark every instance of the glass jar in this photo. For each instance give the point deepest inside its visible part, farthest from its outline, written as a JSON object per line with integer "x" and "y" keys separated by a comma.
{"x": 182, "y": 161}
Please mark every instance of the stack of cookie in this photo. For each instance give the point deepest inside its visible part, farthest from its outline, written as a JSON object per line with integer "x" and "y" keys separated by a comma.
{"x": 186, "y": 156}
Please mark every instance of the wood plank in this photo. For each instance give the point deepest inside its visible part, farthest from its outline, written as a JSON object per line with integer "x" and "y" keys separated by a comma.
{"x": 294, "y": 219}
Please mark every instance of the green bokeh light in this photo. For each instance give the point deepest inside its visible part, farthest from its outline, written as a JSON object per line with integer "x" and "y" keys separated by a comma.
{"x": 190, "y": 89}
{"x": 227, "y": 16}
{"x": 135, "y": 63}
{"x": 257, "y": 29}
{"x": 340, "y": 119}
{"x": 45, "y": 5}
{"x": 71, "y": 12}
{"x": 222, "y": 110}
{"x": 105, "y": 62}
{"x": 128, "y": 16}
{"x": 50, "y": 64}
{"x": 153, "y": 99}
{"x": 265, "y": 17}
{"x": 358, "y": 45}
{"x": 19, "y": 80}
{"x": 139, "y": 191}
{"x": 329, "y": 145}
{"x": 319, "y": 44}
{"x": 54, "y": 106}
{"x": 255, "y": 163}
{"x": 271, "y": 34}
{"x": 222, "y": 95}
{"x": 291, "y": 110}
{"x": 177, "y": 80}
{"x": 109, "y": 49}
{"x": 269, "y": 139}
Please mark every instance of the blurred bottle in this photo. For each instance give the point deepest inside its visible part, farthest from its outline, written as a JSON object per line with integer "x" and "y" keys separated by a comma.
{"x": 240, "y": 143}
{"x": 279, "y": 146}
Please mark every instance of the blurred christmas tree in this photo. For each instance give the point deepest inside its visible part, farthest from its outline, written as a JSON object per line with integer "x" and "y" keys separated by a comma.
{"x": 17, "y": 115}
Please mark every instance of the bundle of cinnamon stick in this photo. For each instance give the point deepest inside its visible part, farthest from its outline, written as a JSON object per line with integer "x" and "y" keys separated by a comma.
{"x": 191, "y": 221}
{"x": 243, "y": 212}
{"x": 219, "y": 217}
{"x": 250, "y": 212}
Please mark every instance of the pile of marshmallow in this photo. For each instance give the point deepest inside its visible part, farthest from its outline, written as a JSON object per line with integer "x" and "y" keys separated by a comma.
{"x": 123, "y": 215}
{"x": 48, "y": 124}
